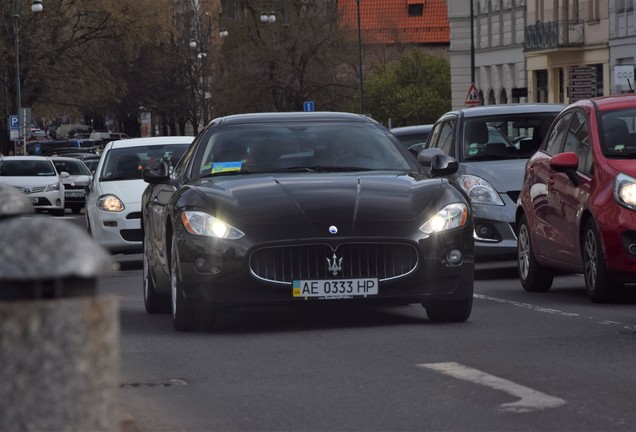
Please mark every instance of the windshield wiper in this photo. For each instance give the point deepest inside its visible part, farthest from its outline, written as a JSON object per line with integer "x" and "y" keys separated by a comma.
{"x": 321, "y": 168}
{"x": 225, "y": 173}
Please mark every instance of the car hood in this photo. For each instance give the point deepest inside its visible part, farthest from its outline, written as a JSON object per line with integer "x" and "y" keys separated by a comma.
{"x": 22, "y": 181}
{"x": 258, "y": 200}
{"x": 503, "y": 175}
{"x": 626, "y": 166}
{"x": 129, "y": 191}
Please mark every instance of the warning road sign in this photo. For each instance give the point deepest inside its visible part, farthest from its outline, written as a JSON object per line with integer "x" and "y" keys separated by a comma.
{"x": 472, "y": 98}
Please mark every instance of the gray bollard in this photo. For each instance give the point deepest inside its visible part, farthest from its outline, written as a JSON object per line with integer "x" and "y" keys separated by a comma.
{"x": 59, "y": 339}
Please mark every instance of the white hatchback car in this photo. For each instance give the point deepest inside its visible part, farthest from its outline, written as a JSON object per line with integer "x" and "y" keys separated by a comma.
{"x": 113, "y": 200}
{"x": 37, "y": 177}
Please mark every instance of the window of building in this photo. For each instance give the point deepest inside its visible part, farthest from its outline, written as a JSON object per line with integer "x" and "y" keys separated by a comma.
{"x": 599, "y": 79}
{"x": 541, "y": 83}
{"x": 416, "y": 9}
{"x": 623, "y": 6}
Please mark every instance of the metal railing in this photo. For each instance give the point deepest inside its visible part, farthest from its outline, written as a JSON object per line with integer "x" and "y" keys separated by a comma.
{"x": 553, "y": 34}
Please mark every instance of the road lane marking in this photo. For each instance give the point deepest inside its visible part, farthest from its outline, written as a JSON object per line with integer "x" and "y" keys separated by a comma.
{"x": 555, "y": 312}
{"x": 529, "y": 400}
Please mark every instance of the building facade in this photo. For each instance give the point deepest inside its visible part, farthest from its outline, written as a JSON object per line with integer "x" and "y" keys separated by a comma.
{"x": 622, "y": 45}
{"x": 541, "y": 50}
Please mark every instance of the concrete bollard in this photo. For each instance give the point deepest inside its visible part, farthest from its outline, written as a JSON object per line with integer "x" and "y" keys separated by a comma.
{"x": 59, "y": 339}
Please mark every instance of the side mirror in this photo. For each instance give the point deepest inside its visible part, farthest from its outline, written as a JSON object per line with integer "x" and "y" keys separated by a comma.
{"x": 64, "y": 174}
{"x": 156, "y": 173}
{"x": 567, "y": 163}
{"x": 443, "y": 165}
{"x": 564, "y": 161}
{"x": 426, "y": 156}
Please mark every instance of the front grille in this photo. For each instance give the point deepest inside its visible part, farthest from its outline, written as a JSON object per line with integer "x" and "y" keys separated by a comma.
{"x": 73, "y": 187}
{"x": 32, "y": 189}
{"x": 283, "y": 264}
{"x": 132, "y": 235}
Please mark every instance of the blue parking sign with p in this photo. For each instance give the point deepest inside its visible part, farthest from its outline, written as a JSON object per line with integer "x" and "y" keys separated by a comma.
{"x": 14, "y": 122}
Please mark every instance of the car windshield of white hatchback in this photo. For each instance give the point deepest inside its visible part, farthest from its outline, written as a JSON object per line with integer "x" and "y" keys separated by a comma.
{"x": 618, "y": 133}
{"x": 128, "y": 163}
{"x": 299, "y": 147}
{"x": 504, "y": 137}
{"x": 26, "y": 168}
{"x": 72, "y": 167}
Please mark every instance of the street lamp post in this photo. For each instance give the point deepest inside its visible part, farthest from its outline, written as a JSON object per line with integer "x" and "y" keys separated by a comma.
{"x": 36, "y": 6}
{"x": 361, "y": 84}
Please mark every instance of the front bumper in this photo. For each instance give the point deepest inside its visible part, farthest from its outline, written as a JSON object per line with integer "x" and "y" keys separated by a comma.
{"x": 117, "y": 232}
{"x": 228, "y": 281}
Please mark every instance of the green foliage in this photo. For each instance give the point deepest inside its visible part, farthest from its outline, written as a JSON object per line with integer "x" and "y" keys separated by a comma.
{"x": 414, "y": 90}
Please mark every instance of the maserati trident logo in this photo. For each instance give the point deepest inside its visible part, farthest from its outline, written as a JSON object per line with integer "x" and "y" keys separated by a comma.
{"x": 335, "y": 264}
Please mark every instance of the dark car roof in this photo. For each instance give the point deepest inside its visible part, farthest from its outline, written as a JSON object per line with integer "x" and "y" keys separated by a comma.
{"x": 408, "y": 130}
{"x": 291, "y": 116}
{"x": 520, "y": 108}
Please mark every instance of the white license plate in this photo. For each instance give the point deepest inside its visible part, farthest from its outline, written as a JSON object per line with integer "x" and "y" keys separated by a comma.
{"x": 76, "y": 194}
{"x": 34, "y": 200}
{"x": 335, "y": 288}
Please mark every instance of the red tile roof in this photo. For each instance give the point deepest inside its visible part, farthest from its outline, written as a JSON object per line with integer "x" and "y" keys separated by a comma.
{"x": 388, "y": 21}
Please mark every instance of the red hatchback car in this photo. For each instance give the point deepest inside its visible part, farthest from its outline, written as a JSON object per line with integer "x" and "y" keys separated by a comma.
{"x": 577, "y": 207}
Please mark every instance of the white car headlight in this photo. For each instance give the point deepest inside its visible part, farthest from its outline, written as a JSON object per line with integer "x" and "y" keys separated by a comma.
{"x": 479, "y": 190}
{"x": 625, "y": 191}
{"x": 110, "y": 203}
{"x": 452, "y": 216}
{"x": 52, "y": 187}
{"x": 203, "y": 224}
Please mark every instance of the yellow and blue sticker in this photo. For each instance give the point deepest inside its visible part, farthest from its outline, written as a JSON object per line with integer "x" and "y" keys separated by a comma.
{"x": 218, "y": 167}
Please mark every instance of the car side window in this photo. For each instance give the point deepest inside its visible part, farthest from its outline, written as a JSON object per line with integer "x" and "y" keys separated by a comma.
{"x": 578, "y": 141}
{"x": 442, "y": 136}
{"x": 554, "y": 143}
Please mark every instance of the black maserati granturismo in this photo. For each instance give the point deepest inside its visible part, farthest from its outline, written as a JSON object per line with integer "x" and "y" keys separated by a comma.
{"x": 290, "y": 208}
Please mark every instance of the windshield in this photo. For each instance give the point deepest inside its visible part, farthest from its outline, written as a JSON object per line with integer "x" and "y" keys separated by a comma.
{"x": 127, "y": 163}
{"x": 26, "y": 168}
{"x": 299, "y": 147}
{"x": 73, "y": 167}
{"x": 504, "y": 136}
{"x": 617, "y": 132}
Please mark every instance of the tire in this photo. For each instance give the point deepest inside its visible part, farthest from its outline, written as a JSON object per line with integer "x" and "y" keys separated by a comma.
{"x": 450, "y": 310}
{"x": 600, "y": 286}
{"x": 533, "y": 276}
{"x": 153, "y": 301}
{"x": 185, "y": 317}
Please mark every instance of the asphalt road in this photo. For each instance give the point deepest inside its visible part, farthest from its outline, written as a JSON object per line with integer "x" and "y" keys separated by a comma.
{"x": 523, "y": 362}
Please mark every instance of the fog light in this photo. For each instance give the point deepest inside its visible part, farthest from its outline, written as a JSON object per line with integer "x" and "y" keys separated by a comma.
{"x": 484, "y": 231}
{"x": 58, "y": 202}
{"x": 632, "y": 249}
{"x": 454, "y": 256}
{"x": 201, "y": 264}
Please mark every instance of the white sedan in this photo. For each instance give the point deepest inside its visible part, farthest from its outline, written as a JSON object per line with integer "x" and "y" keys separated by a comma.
{"x": 113, "y": 201}
{"x": 37, "y": 177}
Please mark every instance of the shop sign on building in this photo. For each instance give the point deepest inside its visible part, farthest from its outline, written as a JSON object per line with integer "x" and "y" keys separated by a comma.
{"x": 582, "y": 83}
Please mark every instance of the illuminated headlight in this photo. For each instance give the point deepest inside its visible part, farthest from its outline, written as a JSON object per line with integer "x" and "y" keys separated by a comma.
{"x": 52, "y": 187}
{"x": 203, "y": 224}
{"x": 625, "y": 191}
{"x": 451, "y": 216}
{"x": 479, "y": 190}
{"x": 110, "y": 203}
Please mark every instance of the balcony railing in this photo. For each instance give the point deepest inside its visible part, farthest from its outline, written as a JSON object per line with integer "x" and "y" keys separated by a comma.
{"x": 554, "y": 34}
